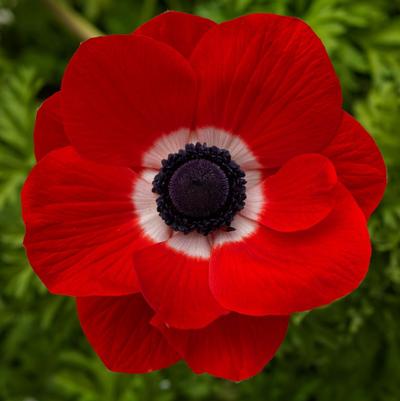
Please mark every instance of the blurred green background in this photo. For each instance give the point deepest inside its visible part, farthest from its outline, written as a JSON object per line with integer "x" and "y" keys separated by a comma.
{"x": 349, "y": 351}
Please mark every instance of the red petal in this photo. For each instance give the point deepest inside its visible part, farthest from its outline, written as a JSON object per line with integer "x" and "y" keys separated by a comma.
{"x": 176, "y": 285}
{"x": 281, "y": 273}
{"x": 268, "y": 79}
{"x": 80, "y": 225}
{"x": 179, "y": 30}
{"x": 121, "y": 92}
{"x": 119, "y": 331}
{"x": 234, "y": 347}
{"x": 49, "y": 132}
{"x": 298, "y": 196}
{"x": 359, "y": 164}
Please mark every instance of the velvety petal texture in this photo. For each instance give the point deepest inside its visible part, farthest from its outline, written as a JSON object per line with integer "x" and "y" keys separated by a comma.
{"x": 176, "y": 285}
{"x": 80, "y": 225}
{"x": 282, "y": 273}
{"x": 269, "y": 80}
{"x": 358, "y": 163}
{"x": 119, "y": 330}
{"x": 179, "y": 30}
{"x": 298, "y": 196}
{"x": 233, "y": 347}
{"x": 49, "y": 131}
{"x": 142, "y": 89}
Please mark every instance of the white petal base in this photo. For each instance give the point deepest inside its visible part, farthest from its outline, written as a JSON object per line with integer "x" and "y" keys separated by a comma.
{"x": 197, "y": 245}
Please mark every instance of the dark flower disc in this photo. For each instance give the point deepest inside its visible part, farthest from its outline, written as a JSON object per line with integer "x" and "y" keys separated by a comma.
{"x": 200, "y": 189}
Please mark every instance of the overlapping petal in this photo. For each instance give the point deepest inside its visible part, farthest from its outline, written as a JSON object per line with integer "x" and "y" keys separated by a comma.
{"x": 280, "y": 273}
{"x": 359, "y": 163}
{"x": 175, "y": 282}
{"x": 268, "y": 79}
{"x": 121, "y": 92}
{"x": 179, "y": 30}
{"x": 298, "y": 196}
{"x": 119, "y": 330}
{"x": 233, "y": 347}
{"x": 49, "y": 131}
{"x": 81, "y": 227}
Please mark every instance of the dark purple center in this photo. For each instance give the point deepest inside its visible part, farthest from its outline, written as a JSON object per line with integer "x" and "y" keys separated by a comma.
{"x": 199, "y": 188}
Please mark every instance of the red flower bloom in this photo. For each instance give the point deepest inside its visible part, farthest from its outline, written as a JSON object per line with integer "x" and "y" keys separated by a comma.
{"x": 196, "y": 184}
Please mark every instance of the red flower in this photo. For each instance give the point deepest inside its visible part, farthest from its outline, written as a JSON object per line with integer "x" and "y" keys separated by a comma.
{"x": 196, "y": 184}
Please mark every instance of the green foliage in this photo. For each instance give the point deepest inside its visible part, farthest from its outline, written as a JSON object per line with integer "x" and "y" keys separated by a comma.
{"x": 17, "y": 110}
{"x": 347, "y": 351}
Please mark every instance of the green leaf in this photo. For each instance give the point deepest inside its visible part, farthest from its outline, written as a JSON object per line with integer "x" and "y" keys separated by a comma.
{"x": 17, "y": 113}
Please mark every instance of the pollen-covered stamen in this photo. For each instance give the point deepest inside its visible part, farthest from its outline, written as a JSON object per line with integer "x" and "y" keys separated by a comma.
{"x": 201, "y": 189}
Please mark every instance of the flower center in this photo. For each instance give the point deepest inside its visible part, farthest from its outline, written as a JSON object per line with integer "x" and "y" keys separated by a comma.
{"x": 200, "y": 189}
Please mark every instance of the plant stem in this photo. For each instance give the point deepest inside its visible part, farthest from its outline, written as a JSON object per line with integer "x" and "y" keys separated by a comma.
{"x": 71, "y": 20}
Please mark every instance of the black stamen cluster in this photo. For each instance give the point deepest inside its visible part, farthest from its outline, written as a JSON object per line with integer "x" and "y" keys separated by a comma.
{"x": 187, "y": 222}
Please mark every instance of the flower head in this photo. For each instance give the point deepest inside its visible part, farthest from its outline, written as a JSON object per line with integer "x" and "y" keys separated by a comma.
{"x": 197, "y": 184}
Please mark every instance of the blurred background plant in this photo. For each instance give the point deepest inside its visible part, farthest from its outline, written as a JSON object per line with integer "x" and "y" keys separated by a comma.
{"x": 347, "y": 351}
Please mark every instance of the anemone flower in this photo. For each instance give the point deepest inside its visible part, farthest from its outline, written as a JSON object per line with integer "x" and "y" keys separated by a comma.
{"x": 196, "y": 184}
